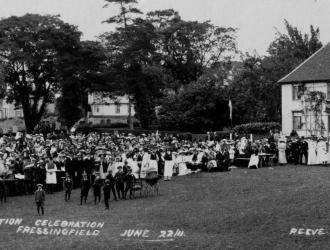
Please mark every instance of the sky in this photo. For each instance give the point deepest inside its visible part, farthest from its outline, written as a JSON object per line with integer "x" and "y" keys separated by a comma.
{"x": 257, "y": 20}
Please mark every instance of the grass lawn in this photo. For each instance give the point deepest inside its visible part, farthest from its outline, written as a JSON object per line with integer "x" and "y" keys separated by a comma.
{"x": 241, "y": 209}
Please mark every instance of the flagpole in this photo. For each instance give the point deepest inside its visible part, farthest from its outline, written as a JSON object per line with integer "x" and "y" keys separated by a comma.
{"x": 230, "y": 112}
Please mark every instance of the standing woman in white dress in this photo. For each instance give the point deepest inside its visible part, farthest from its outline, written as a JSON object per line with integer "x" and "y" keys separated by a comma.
{"x": 281, "y": 151}
{"x": 145, "y": 163}
{"x": 2, "y": 166}
{"x": 51, "y": 179}
{"x": 312, "y": 149}
{"x": 322, "y": 155}
{"x": 169, "y": 163}
{"x": 153, "y": 163}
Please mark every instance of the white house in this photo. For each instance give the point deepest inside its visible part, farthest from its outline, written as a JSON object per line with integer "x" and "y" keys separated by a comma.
{"x": 108, "y": 110}
{"x": 8, "y": 110}
{"x": 299, "y": 108}
{"x": 12, "y": 117}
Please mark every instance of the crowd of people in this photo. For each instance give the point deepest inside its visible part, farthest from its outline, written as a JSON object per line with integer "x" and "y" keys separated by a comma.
{"x": 309, "y": 151}
{"x": 115, "y": 161}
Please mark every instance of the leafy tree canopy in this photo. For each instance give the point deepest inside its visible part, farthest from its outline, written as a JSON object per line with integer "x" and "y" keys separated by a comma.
{"x": 33, "y": 49}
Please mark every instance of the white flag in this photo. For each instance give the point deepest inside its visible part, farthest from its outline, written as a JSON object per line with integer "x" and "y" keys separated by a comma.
{"x": 230, "y": 109}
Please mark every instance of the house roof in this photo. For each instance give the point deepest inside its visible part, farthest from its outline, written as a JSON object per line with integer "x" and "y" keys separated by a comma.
{"x": 315, "y": 69}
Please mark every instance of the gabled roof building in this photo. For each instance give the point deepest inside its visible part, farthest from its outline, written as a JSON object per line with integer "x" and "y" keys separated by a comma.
{"x": 306, "y": 96}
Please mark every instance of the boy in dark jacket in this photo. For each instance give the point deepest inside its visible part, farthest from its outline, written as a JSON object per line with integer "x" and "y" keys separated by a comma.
{"x": 130, "y": 179}
{"x": 106, "y": 192}
{"x": 112, "y": 183}
{"x": 40, "y": 196}
{"x": 85, "y": 186}
{"x": 119, "y": 177}
{"x": 68, "y": 185}
{"x": 97, "y": 189}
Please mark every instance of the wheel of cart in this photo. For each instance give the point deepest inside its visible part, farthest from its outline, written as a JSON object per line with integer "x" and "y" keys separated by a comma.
{"x": 139, "y": 187}
{"x": 152, "y": 183}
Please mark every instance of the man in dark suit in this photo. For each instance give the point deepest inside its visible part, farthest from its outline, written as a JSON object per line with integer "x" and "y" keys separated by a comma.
{"x": 126, "y": 167}
{"x": 112, "y": 183}
{"x": 296, "y": 148}
{"x": 106, "y": 192}
{"x": 139, "y": 158}
{"x": 222, "y": 159}
{"x": 130, "y": 179}
{"x": 119, "y": 177}
{"x": 85, "y": 186}
{"x": 97, "y": 189}
{"x": 40, "y": 173}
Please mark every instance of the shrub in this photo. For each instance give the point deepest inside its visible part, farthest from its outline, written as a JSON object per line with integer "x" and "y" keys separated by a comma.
{"x": 219, "y": 135}
{"x": 257, "y": 128}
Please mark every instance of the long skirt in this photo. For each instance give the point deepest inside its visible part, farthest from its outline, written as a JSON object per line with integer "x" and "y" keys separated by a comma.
{"x": 144, "y": 168}
{"x": 282, "y": 157}
{"x": 254, "y": 161}
{"x": 168, "y": 168}
{"x": 135, "y": 169}
{"x": 51, "y": 178}
{"x": 153, "y": 166}
{"x": 183, "y": 170}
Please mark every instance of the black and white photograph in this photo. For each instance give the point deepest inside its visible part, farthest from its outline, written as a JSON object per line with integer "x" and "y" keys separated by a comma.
{"x": 164, "y": 124}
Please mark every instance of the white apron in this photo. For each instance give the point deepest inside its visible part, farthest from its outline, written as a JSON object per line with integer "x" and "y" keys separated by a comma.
{"x": 254, "y": 161}
{"x": 322, "y": 154}
{"x": 145, "y": 165}
{"x": 312, "y": 157}
{"x": 281, "y": 153}
{"x": 134, "y": 166}
{"x": 168, "y": 168}
{"x": 153, "y": 166}
{"x": 51, "y": 176}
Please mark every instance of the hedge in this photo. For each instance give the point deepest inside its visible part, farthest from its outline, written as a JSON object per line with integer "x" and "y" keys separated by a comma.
{"x": 257, "y": 127}
{"x": 112, "y": 125}
{"x": 136, "y": 131}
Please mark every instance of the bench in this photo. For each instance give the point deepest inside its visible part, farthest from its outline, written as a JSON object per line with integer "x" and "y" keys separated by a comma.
{"x": 238, "y": 161}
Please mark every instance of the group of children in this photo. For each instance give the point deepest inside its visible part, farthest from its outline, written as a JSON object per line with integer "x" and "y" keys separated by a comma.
{"x": 119, "y": 184}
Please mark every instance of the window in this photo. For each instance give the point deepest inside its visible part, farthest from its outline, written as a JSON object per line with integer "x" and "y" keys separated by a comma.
{"x": 297, "y": 120}
{"x": 96, "y": 108}
{"x": 1, "y": 115}
{"x": 117, "y": 108}
{"x": 328, "y": 91}
{"x": 18, "y": 113}
{"x": 297, "y": 91}
{"x": 294, "y": 92}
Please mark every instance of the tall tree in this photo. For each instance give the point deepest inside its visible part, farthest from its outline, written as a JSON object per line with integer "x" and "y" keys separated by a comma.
{"x": 187, "y": 48}
{"x": 33, "y": 49}
{"x": 133, "y": 68}
{"x": 254, "y": 99}
{"x": 86, "y": 70}
{"x": 197, "y": 107}
{"x": 3, "y": 85}
{"x": 288, "y": 50}
{"x": 124, "y": 19}
{"x": 257, "y": 96}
